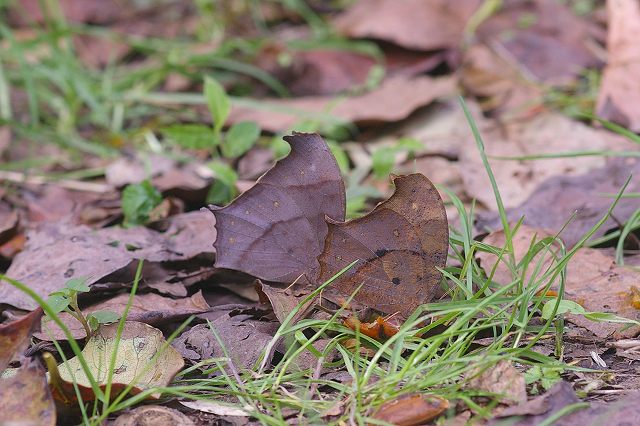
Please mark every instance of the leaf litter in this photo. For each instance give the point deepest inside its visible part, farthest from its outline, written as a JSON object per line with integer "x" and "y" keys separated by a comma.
{"x": 398, "y": 81}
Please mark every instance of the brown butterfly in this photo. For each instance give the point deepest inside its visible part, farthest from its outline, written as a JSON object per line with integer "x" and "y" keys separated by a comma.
{"x": 291, "y": 223}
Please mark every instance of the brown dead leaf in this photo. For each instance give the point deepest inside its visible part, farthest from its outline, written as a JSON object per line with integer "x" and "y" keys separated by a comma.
{"x": 541, "y": 407}
{"x": 399, "y": 245}
{"x": 610, "y": 413}
{"x": 586, "y": 265}
{"x": 148, "y": 308}
{"x": 284, "y": 300}
{"x": 412, "y": 409}
{"x": 558, "y": 198}
{"x": 15, "y": 336}
{"x": 394, "y": 100}
{"x": 149, "y": 415}
{"x": 503, "y": 88}
{"x": 599, "y": 285}
{"x": 501, "y": 379}
{"x": 25, "y": 398}
{"x": 593, "y": 280}
{"x": 619, "y": 96}
{"x": 536, "y": 34}
{"x": 188, "y": 182}
{"x": 52, "y": 203}
{"x": 142, "y": 359}
{"x": 546, "y": 132}
{"x": 318, "y": 72}
{"x": 9, "y": 220}
{"x": 413, "y": 24}
{"x": 522, "y": 241}
{"x": 82, "y": 252}
{"x": 276, "y": 230}
{"x": 244, "y": 340}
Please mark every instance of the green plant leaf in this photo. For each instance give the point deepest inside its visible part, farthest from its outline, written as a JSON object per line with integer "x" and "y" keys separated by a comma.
{"x": 102, "y": 317}
{"x": 77, "y": 284}
{"x": 383, "y": 161}
{"x": 137, "y": 202}
{"x": 608, "y": 317}
{"x": 58, "y": 302}
{"x": 240, "y": 138}
{"x": 564, "y": 307}
{"x": 191, "y": 136}
{"x": 218, "y": 102}
{"x": 223, "y": 188}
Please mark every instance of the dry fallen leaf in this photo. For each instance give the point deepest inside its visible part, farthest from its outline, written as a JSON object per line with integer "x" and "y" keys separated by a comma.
{"x": 619, "y": 97}
{"x": 501, "y": 379}
{"x": 589, "y": 196}
{"x": 143, "y": 359}
{"x": 599, "y": 285}
{"x": 413, "y": 24}
{"x": 546, "y": 132}
{"x": 394, "y": 100}
{"x": 15, "y": 336}
{"x": 276, "y": 229}
{"x": 217, "y": 408}
{"x": 535, "y": 34}
{"x": 82, "y": 252}
{"x": 399, "y": 246}
{"x": 522, "y": 242}
{"x": 317, "y": 72}
{"x": 537, "y": 409}
{"x": 412, "y": 409}
{"x": 25, "y": 398}
{"x": 149, "y": 415}
{"x": 148, "y": 308}
{"x": 244, "y": 340}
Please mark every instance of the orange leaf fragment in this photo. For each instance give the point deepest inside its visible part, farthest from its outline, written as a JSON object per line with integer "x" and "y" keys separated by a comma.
{"x": 412, "y": 409}
{"x": 380, "y": 329}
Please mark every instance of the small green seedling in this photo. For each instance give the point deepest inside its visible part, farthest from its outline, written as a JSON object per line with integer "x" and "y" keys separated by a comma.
{"x": 138, "y": 200}
{"x": 542, "y": 378}
{"x": 66, "y": 300}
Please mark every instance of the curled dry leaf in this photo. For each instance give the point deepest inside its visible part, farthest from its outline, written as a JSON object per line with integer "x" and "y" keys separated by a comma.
{"x": 399, "y": 247}
{"x": 148, "y": 308}
{"x": 14, "y": 336}
{"x": 25, "y": 398}
{"x": 143, "y": 359}
{"x": 276, "y": 229}
{"x": 413, "y": 409}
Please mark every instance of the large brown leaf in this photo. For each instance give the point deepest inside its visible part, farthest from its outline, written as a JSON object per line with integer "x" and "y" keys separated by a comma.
{"x": 14, "y": 336}
{"x": 399, "y": 245}
{"x": 25, "y": 398}
{"x": 619, "y": 97}
{"x": 94, "y": 255}
{"x": 394, "y": 100}
{"x": 276, "y": 230}
{"x": 413, "y": 24}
